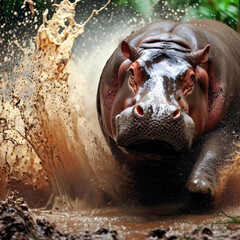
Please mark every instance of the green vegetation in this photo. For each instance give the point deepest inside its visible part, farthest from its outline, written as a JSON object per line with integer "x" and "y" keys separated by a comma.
{"x": 232, "y": 223}
{"x": 226, "y": 11}
{"x": 8, "y": 7}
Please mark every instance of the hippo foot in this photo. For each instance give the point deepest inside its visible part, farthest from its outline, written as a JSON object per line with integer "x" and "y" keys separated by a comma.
{"x": 201, "y": 182}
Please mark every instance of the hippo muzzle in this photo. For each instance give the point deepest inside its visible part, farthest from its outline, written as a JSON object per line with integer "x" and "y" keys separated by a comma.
{"x": 154, "y": 129}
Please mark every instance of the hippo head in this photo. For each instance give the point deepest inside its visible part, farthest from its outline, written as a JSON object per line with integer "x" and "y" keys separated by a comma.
{"x": 162, "y": 102}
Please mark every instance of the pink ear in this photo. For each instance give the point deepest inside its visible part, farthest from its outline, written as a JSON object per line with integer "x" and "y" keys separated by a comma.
{"x": 203, "y": 54}
{"x": 125, "y": 49}
{"x": 199, "y": 56}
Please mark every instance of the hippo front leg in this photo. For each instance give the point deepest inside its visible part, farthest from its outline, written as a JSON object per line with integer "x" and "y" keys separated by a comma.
{"x": 205, "y": 175}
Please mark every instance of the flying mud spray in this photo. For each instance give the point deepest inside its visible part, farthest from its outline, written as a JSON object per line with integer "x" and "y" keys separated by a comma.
{"x": 51, "y": 148}
{"x": 51, "y": 151}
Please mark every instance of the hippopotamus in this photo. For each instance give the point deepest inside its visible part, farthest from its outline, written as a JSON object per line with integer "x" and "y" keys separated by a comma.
{"x": 168, "y": 103}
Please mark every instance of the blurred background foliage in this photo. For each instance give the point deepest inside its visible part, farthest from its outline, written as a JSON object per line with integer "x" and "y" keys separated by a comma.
{"x": 8, "y": 7}
{"x": 226, "y": 11}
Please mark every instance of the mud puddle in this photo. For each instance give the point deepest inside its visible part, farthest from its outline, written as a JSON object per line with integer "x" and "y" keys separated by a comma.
{"x": 143, "y": 224}
{"x": 17, "y": 221}
{"x": 129, "y": 224}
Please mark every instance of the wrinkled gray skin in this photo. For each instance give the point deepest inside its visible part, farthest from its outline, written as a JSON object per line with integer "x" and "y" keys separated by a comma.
{"x": 173, "y": 143}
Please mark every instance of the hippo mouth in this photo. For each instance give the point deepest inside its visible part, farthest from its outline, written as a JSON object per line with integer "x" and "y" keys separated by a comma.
{"x": 153, "y": 147}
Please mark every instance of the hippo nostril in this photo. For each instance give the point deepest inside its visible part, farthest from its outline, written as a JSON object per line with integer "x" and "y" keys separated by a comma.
{"x": 138, "y": 110}
{"x": 176, "y": 113}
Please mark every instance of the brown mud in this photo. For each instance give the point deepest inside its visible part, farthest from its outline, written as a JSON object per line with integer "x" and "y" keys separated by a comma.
{"x": 49, "y": 151}
{"x": 17, "y": 221}
{"x": 52, "y": 150}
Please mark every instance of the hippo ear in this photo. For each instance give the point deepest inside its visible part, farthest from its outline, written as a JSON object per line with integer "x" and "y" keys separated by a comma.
{"x": 129, "y": 51}
{"x": 200, "y": 56}
{"x": 125, "y": 49}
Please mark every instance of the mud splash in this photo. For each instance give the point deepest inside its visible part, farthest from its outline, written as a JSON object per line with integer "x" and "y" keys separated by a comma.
{"x": 49, "y": 152}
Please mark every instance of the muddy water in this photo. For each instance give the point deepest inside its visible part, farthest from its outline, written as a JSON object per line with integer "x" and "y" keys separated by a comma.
{"x": 129, "y": 223}
{"x": 139, "y": 223}
{"x": 52, "y": 150}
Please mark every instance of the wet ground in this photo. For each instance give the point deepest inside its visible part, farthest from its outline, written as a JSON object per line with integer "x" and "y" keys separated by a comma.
{"x": 141, "y": 226}
{"x": 18, "y": 222}
{"x": 129, "y": 224}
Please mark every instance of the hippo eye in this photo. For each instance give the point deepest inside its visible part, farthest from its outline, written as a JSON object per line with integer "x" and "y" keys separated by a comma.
{"x": 131, "y": 72}
{"x": 192, "y": 76}
{"x": 132, "y": 80}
